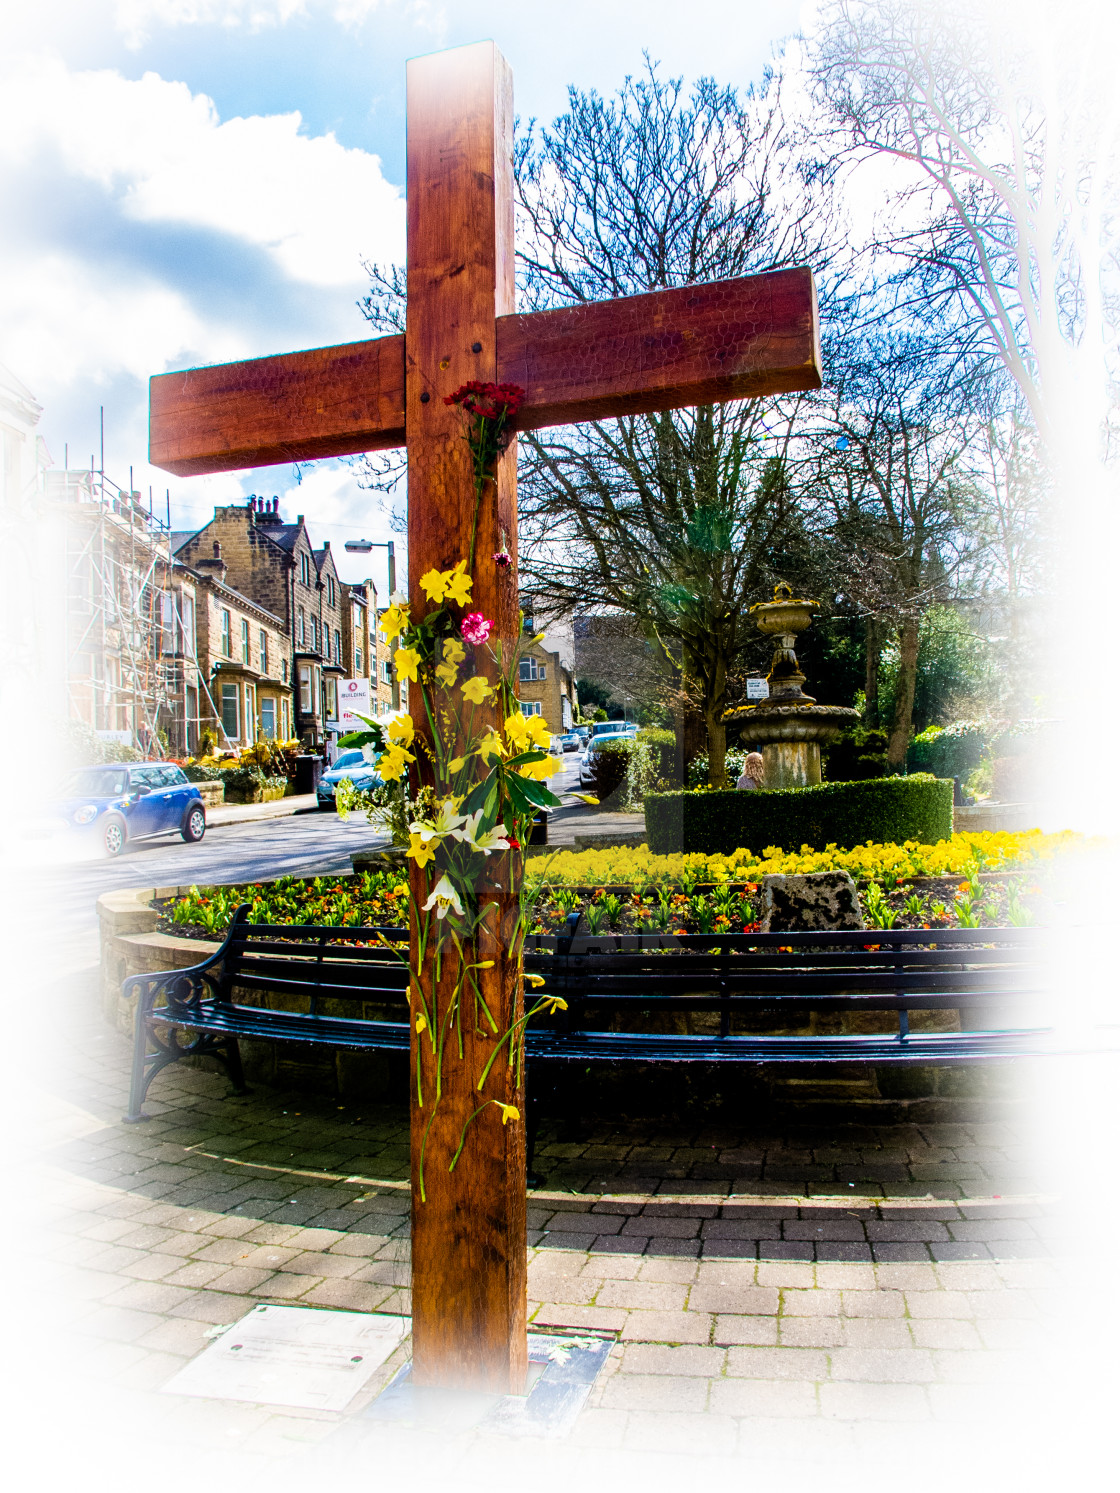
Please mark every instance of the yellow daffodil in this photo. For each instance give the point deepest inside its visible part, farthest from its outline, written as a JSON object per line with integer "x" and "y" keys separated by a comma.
{"x": 553, "y": 1003}
{"x": 421, "y": 1024}
{"x": 434, "y": 584}
{"x": 447, "y": 674}
{"x": 509, "y": 1111}
{"x": 534, "y": 981}
{"x": 401, "y": 729}
{"x": 539, "y": 734}
{"x": 453, "y": 651}
{"x": 540, "y": 770}
{"x": 406, "y": 661}
{"x": 517, "y": 731}
{"x": 491, "y": 746}
{"x": 457, "y": 765}
{"x": 392, "y": 762}
{"x": 587, "y": 798}
{"x": 477, "y": 689}
{"x": 420, "y": 850}
{"x": 457, "y": 584}
{"x": 394, "y": 620}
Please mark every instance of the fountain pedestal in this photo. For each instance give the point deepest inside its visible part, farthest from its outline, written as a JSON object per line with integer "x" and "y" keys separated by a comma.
{"x": 790, "y": 727}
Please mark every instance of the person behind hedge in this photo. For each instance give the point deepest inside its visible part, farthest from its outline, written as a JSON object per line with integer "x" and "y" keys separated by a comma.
{"x": 751, "y": 780}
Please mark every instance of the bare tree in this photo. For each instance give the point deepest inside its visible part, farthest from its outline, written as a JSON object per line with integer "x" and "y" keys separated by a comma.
{"x": 677, "y": 519}
{"x": 888, "y": 457}
{"x": 1002, "y": 215}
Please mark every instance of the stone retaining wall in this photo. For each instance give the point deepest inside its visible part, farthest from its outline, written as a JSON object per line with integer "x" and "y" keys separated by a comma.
{"x": 131, "y": 944}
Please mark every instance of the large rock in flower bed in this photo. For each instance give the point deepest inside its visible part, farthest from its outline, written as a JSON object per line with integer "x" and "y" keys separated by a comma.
{"x": 804, "y": 904}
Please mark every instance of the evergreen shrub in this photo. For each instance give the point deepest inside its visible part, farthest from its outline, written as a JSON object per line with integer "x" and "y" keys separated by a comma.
{"x": 885, "y": 810}
{"x": 652, "y": 764}
{"x": 948, "y": 751}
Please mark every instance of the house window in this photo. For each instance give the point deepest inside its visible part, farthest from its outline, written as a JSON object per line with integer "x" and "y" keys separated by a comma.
{"x": 305, "y": 570}
{"x": 337, "y": 646}
{"x": 314, "y": 626}
{"x": 251, "y": 711}
{"x": 186, "y": 614}
{"x": 386, "y": 671}
{"x": 305, "y": 688}
{"x": 285, "y": 720}
{"x": 231, "y": 713}
{"x": 330, "y": 590}
{"x": 268, "y": 719}
{"x": 245, "y": 655}
{"x": 167, "y": 641}
{"x": 227, "y": 645}
{"x": 262, "y": 638}
{"x": 530, "y": 669}
{"x": 284, "y": 670}
{"x": 530, "y": 707}
{"x": 300, "y": 629}
{"x": 358, "y": 662}
{"x": 330, "y": 699}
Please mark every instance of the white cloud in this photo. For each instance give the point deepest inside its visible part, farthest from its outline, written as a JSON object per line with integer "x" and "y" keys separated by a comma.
{"x": 315, "y": 206}
{"x": 136, "y": 18}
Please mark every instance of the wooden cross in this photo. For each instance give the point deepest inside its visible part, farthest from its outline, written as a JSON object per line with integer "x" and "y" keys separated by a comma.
{"x": 663, "y": 350}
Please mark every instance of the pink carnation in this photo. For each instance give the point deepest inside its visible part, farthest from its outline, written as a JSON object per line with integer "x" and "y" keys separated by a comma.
{"x": 502, "y": 559}
{"x": 475, "y": 628}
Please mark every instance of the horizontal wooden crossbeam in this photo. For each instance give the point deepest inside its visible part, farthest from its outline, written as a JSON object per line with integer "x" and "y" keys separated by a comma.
{"x": 699, "y": 344}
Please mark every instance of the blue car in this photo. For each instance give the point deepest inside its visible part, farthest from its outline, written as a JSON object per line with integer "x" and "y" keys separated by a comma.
{"x": 133, "y": 801}
{"x": 353, "y": 765}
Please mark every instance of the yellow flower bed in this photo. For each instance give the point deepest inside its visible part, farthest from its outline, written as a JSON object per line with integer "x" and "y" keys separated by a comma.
{"x": 995, "y": 850}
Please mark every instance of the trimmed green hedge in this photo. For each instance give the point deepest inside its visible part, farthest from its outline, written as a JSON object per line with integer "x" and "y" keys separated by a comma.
{"x": 885, "y": 810}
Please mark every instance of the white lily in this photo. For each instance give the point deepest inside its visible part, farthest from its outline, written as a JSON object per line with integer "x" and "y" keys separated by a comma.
{"x": 444, "y": 896}
{"x": 493, "y": 839}
{"x": 446, "y": 824}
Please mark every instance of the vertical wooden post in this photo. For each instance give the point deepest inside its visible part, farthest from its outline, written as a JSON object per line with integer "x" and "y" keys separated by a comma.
{"x": 468, "y": 1237}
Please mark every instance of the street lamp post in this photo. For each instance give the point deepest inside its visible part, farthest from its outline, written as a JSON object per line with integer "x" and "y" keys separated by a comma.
{"x": 363, "y": 547}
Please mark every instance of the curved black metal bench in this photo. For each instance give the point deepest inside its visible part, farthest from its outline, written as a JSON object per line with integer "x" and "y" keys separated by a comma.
{"x": 342, "y": 987}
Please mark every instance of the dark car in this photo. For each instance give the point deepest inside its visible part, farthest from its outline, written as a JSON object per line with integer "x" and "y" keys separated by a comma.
{"x": 126, "y": 801}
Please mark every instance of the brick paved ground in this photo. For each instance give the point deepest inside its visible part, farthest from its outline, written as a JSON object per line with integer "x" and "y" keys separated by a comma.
{"x": 779, "y": 1293}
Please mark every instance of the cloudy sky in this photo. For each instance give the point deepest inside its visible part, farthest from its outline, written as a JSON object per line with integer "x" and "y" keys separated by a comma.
{"x": 193, "y": 181}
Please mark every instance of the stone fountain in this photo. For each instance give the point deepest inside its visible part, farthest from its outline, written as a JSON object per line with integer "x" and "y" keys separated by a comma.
{"x": 790, "y": 727}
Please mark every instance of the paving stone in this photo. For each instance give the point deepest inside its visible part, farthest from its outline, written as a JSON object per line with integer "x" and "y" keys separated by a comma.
{"x": 944, "y": 1333}
{"x": 561, "y": 1315}
{"x": 760, "y": 1331}
{"x": 673, "y": 1247}
{"x": 655, "y": 1392}
{"x": 614, "y": 1267}
{"x": 810, "y": 1332}
{"x": 709, "y": 1296}
{"x": 810, "y": 1303}
{"x": 773, "y": 1273}
{"x": 683, "y": 1434}
{"x": 666, "y": 1327}
{"x": 847, "y": 1277}
{"x": 119, "y": 1323}
{"x": 764, "y": 1397}
{"x": 776, "y": 1363}
{"x": 863, "y": 1402}
{"x": 643, "y": 1295}
{"x": 883, "y": 1365}
{"x": 670, "y": 1271}
{"x": 690, "y": 1360}
{"x": 937, "y": 1304}
{"x": 876, "y": 1332}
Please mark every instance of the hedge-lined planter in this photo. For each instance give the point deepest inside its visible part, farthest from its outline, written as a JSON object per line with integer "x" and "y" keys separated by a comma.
{"x": 884, "y": 810}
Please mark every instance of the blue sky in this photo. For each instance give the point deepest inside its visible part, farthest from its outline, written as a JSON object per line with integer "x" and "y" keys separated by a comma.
{"x": 191, "y": 181}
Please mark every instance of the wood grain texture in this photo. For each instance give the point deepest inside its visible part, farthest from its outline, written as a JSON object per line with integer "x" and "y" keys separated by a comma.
{"x": 468, "y": 1237}
{"x": 330, "y": 401}
{"x": 700, "y": 344}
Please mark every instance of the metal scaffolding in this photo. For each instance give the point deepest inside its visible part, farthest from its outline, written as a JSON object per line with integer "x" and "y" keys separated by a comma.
{"x": 120, "y": 611}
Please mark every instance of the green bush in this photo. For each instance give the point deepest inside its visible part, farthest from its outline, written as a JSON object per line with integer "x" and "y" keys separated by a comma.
{"x": 698, "y": 767}
{"x": 611, "y": 760}
{"x": 858, "y": 754}
{"x": 197, "y": 773}
{"x": 886, "y": 810}
{"x": 652, "y": 765}
{"x": 949, "y": 751}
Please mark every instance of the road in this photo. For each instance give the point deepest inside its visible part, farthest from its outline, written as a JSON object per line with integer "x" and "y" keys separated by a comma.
{"x": 296, "y": 845}
{"x": 307, "y": 844}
